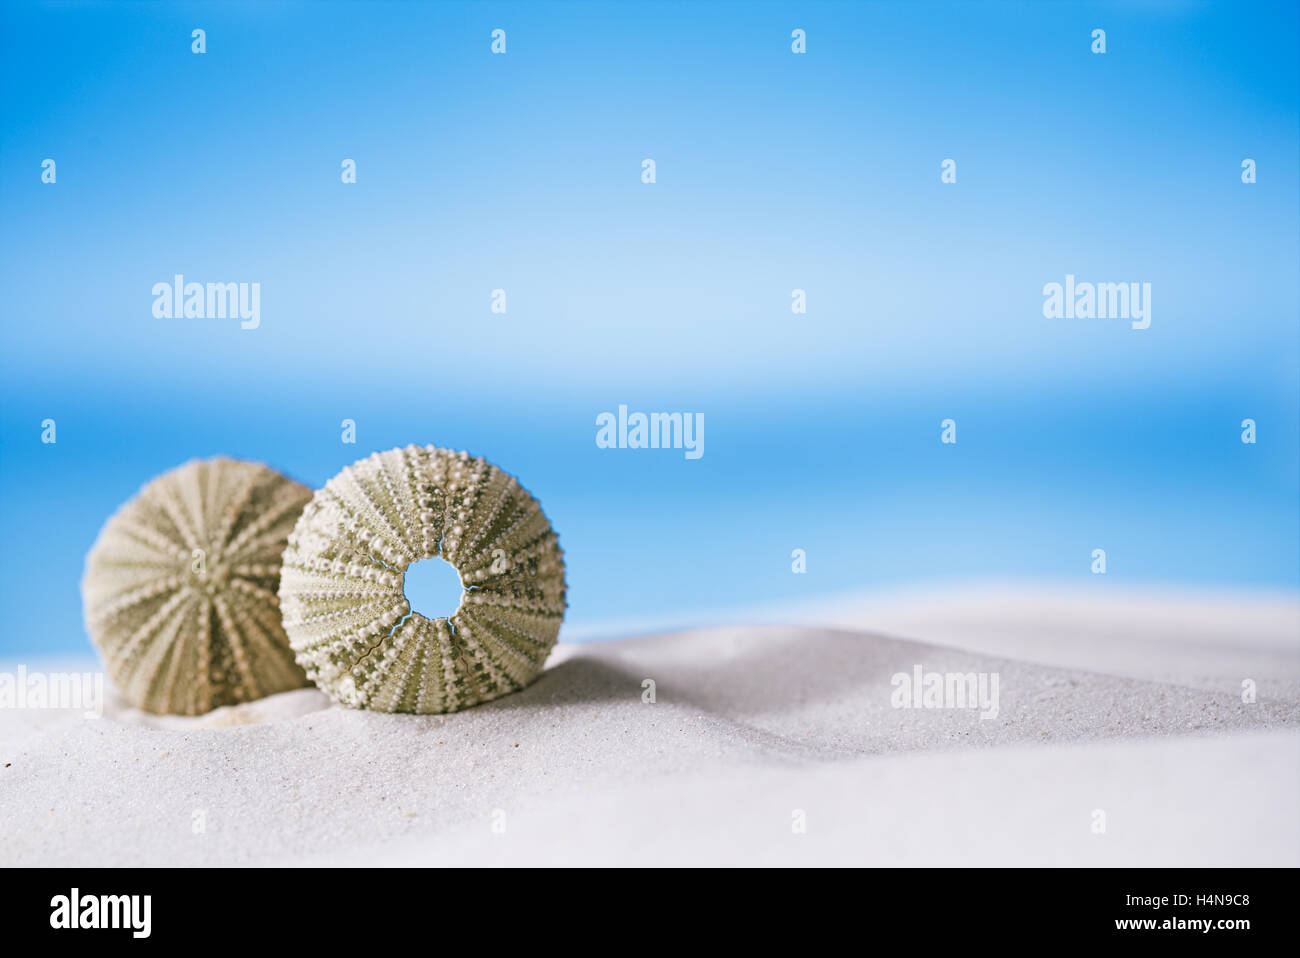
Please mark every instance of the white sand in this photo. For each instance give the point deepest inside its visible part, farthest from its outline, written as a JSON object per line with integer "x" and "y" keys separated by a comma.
{"x": 1119, "y": 704}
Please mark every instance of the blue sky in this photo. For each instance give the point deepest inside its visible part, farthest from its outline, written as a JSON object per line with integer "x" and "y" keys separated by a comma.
{"x": 774, "y": 171}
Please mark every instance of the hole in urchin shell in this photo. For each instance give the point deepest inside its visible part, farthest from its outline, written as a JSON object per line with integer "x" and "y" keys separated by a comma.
{"x": 433, "y": 588}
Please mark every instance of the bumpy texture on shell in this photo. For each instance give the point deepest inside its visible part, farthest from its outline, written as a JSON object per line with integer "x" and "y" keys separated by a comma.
{"x": 180, "y": 588}
{"x": 342, "y": 595}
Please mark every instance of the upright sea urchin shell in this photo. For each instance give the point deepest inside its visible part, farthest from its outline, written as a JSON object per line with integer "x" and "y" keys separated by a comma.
{"x": 180, "y": 588}
{"x": 342, "y": 596}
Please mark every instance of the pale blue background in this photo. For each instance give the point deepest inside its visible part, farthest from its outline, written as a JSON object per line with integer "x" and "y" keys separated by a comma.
{"x": 775, "y": 171}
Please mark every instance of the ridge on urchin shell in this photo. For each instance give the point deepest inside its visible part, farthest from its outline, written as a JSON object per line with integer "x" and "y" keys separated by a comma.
{"x": 180, "y": 588}
{"x": 342, "y": 595}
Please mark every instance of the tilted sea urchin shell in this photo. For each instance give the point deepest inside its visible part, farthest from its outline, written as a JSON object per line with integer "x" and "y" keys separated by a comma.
{"x": 180, "y": 588}
{"x": 342, "y": 589}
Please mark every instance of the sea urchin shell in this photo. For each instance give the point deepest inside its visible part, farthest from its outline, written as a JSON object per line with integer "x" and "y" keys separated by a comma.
{"x": 180, "y": 588}
{"x": 345, "y": 611}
